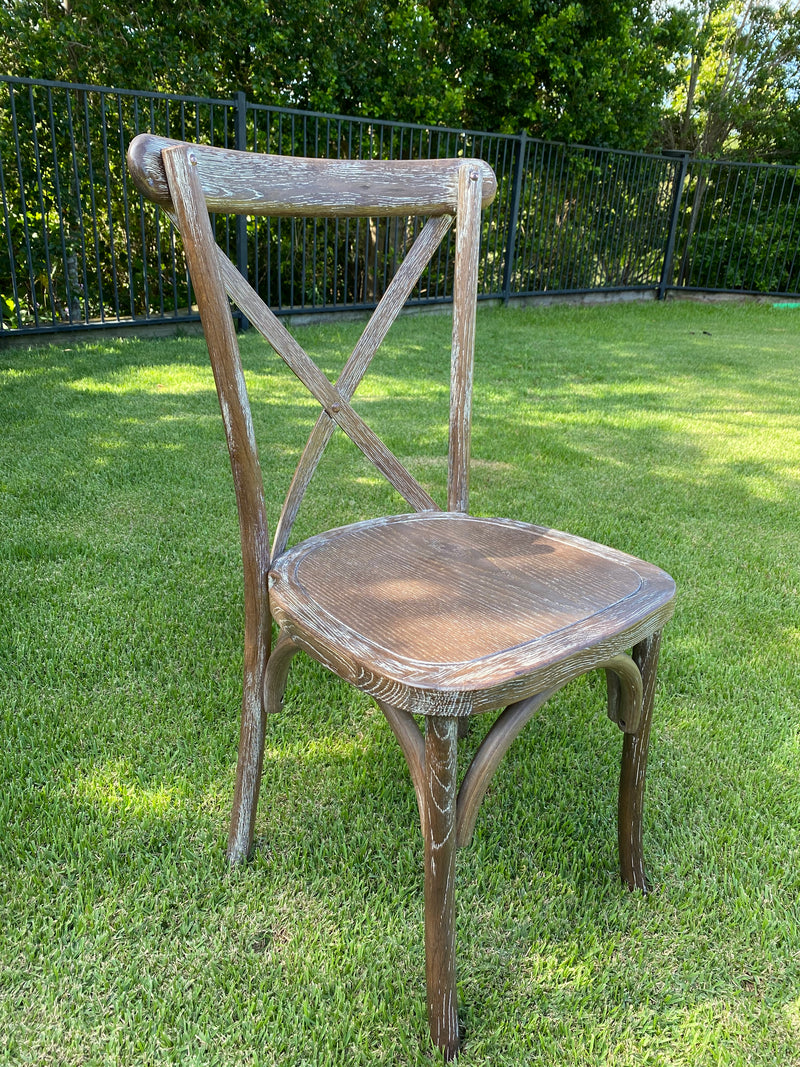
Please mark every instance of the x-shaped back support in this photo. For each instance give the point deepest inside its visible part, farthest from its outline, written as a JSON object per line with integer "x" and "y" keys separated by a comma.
{"x": 190, "y": 212}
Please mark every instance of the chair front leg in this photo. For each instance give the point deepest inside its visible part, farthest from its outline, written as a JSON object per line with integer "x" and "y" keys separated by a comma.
{"x": 439, "y": 832}
{"x": 634, "y": 766}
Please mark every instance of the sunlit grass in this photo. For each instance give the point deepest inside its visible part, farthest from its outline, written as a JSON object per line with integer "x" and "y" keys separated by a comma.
{"x": 670, "y": 431}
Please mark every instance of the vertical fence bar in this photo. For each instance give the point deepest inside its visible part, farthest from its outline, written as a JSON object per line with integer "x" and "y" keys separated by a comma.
{"x": 23, "y": 205}
{"x": 43, "y": 212}
{"x": 109, "y": 206}
{"x": 87, "y": 125}
{"x": 67, "y": 304}
{"x": 76, "y": 177}
{"x": 776, "y": 215}
{"x": 657, "y": 217}
{"x": 129, "y": 252}
{"x": 585, "y": 263}
{"x": 790, "y": 263}
{"x": 594, "y": 162}
{"x": 12, "y": 266}
{"x": 524, "y": 252}
{"x": 520, "y": 149}
{"x": 720, "y": 239}
{"x": 677, "y": 202}
{"x": 240, "y": 143}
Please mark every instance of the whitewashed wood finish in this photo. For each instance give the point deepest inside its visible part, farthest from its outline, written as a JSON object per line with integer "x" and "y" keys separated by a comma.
{"x": 441, "y": 767}
{"x": 382, "y": 636}
{"x": 465, "y": 300}
{"x": 333, "y": 402}
{"x": 433, "y": 613}
{"x": 254, "y": 184}
{"x": 212, "y": 303}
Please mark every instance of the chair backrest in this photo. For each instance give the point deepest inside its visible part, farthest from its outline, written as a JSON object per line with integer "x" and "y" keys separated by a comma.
{"x": 189, "y": 181}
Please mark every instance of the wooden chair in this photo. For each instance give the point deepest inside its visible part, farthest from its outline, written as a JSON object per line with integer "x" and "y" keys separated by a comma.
{"x": 435, "y": 613}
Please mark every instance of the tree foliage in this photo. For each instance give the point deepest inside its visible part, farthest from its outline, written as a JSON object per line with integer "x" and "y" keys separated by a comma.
{"x": 593, "y": 71}
{"x": 590, "y": 71}
{"x": 739, "y": 81}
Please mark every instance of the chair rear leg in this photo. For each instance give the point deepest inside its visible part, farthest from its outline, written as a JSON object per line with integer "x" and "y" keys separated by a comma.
{"x": 248, "y": 776}
{"x": 439, "y": 832}
{"x": 634, "y": 766}
{"x": 262, "y": 696}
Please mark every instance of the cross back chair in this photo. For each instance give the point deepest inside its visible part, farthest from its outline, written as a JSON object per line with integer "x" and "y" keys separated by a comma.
{"x": 437, "y": 614}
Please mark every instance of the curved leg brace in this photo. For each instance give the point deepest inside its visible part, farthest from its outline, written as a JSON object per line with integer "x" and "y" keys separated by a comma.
{"x": 624, "y": 682}
{"x": 624, "y": 707}
{"x": 486, "y": 760}
{"x": 410, "y": 739}
{"x": 448, "y": 815}
{"x": 632, "y": 775}
{"x": 261, "y": 697}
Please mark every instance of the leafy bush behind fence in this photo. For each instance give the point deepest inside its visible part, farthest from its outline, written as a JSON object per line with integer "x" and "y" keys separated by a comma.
{"x": 83, "y": 249}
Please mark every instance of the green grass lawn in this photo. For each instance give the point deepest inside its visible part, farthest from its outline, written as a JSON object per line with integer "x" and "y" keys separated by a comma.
{"x": 670, "y": 431}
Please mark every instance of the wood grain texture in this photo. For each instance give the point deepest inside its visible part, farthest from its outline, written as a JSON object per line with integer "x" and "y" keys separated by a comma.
{"x": 334, "y": 403}
{"x": 215, "y": 315}
{"x": 441, "y": 740}
{"x": 465, "y": 300}
{"x": 254, "y": 184}
{"x": 443, "y": 613}
{"x": 503, "y": 732}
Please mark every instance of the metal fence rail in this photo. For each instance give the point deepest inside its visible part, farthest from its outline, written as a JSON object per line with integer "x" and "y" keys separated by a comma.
{"x": 82, "y": 249}
{"x": 740, "y": 229}
{"x": 589, "y": 219}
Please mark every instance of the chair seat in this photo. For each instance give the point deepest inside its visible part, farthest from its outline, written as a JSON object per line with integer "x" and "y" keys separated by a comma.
{"x": 439, "y": 612}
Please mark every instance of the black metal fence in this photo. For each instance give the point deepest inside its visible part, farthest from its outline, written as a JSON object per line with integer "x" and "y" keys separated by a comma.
{"x": 82, "y": 249}
{"x": 740, "y": 229}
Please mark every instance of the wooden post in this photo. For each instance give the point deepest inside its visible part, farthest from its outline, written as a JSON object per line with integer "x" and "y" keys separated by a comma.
{"x": 180, "y": 167}
{"x": 465, "y": 300}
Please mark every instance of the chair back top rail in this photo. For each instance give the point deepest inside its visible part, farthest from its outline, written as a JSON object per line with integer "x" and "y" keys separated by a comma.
{"x": 261, "y": 184}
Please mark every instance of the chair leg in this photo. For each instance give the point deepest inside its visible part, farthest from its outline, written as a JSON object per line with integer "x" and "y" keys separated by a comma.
{"x": 261, "y": 697}
{"x": 439, "y": 831}
{"x": 634, "y": 766}
{"x": 248, "y": 776}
